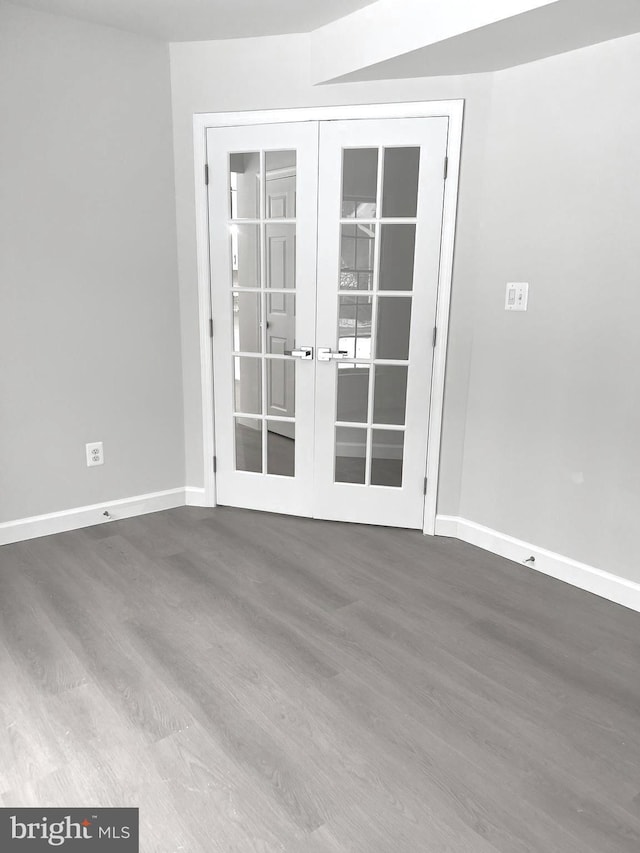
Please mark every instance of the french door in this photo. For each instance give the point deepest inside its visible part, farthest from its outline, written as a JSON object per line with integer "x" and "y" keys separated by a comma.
{"x": 324, "y": 252}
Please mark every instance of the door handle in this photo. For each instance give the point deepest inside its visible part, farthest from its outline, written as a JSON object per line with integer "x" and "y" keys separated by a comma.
{"x": 305, "y": 353}
{"x": 326, "y": 354}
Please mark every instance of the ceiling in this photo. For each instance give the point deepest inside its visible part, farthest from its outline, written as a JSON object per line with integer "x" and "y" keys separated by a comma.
{"x": 198, "y": 20}
{"x": 357, "y": 40}
{"x": 546, "y": 31}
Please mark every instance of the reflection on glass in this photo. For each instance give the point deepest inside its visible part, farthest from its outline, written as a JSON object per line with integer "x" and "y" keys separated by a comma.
{"x": 390, "y": 394}
{"x": 278, "y": 161}
{"x": 353, "y": 393}
{"x": 359, "y": 182}
{"x": 397, "y": 250}
{"x": 394, "y": 321}
{"x": 351, "y": 455}
{"x": 354, "y": 326}
{"x": 357, "y": 255}
{"x": 247, "y": 318}
{"x": 280, "y": 184}
{"x": 386, "y": 457}
{"x": 248, "y": 385}
{"x": 281, "y": 448}
{"x": 244, "y": 180}
{"x": 281, "y": 255}
{"x": 400, "y": 184}
{"x": 245, "y": 255}
{"x": 281, "y": 384}
{"x": 248, "y": 444}
{"x": 281, "y": 322}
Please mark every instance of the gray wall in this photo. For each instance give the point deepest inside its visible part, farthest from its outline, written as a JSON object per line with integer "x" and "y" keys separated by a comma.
{"x": 264, "y": 73}
{"x": 542, "y": 409}
{"x": 552, "y": 452}
{"x": 89, "y": 329}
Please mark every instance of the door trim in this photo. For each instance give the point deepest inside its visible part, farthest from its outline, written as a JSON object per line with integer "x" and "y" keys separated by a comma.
{"x": 453, "y": 110}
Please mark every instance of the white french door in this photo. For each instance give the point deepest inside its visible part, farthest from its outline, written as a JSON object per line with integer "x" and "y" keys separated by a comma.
{"x": 324, "y": 252}
{"x": 263, "y": 185}
{"x": 379, "y": 221}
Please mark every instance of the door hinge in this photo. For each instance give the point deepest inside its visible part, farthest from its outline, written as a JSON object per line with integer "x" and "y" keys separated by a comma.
{"x": 206, "y": 174}
{"x": 210, "y": 327}
{"x": 425, "y": 486}
{"x": 435, "y": 336}
{"x": 446, "y": 167}
{"x": 215, "y": 464}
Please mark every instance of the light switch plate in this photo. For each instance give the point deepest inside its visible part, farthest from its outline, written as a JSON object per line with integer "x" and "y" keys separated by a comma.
{"x": 517, "y": 296}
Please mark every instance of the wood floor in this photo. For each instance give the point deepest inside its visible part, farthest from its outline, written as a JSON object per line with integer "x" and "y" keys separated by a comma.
{"x": 263, "y": 683}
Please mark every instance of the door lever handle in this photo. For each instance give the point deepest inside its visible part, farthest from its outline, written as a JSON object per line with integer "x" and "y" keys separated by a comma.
{"x": 326, "y": 354}
{"x": 305, "y": 353}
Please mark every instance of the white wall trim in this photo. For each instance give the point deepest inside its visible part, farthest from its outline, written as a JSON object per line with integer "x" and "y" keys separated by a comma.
{"x": 86, "y": 516}
{"x": 602, "y": 583}
{"x": 443, "y": 305}
{"x": 597, "y": 581}
{"x": 205, "y": 312}
{"x": 194, "y": 496}
{"x": 399, "y": 109}
{"x": 454, "y": 111}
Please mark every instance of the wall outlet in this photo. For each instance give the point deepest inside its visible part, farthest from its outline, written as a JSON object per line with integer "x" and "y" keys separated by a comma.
{"x": 95, "y": 454}
{"x": 517, "y": 296}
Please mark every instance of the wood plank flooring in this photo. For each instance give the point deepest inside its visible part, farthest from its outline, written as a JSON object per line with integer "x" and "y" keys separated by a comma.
{"x": 264, "y": 683}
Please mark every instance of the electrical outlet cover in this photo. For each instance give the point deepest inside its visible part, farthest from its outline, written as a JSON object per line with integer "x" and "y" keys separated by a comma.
{"x": 95, "y": 454}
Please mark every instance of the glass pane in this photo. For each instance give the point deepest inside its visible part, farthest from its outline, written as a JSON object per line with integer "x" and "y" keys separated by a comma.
{"x": 248, "y": 385}
{"x": 359, "y": 182}
{"x": 397, "y": 250}
{"x": 247, "y": 319}
{"x": 394, "y": 320}
{"x": 400, "y": 184}
{"x": 281, "y": 322}
{"x": 281, "y": 385}
{"x": 390, "y": 394}
{"x": 244, "y": 175}
{"x": 281, "y": 448}
{"x": 386, "y": 457}
{"x": 351, "y": 455}
{"x": 245, "y": 255}
{"x": 357, "y": 254}
{"x": 353, "y": 393}
{"x": 354, "y": 326}
{"x": 248, "y": 444}
{"x": 281, "y": 256}
{"x": 280, "y": 184}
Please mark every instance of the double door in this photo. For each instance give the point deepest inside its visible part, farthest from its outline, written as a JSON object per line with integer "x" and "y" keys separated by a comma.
{"x": 324, "y": 252}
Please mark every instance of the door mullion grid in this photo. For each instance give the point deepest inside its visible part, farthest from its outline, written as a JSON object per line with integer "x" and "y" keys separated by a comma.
{"x": 370, "y": 395}
{"x": 351, "y": 424}
{"x": 355, "y": 361}
{"x": 252, "y": 417}
{"x": 263, "y": 305}
{"x": 284, "y": 290}
{"x": 386, "y": 220}
{"x": 274, "y": 356}
{"x": 279, "y": 221}
{"x": 380, "y": 179}
{"x": 374, "y": 315}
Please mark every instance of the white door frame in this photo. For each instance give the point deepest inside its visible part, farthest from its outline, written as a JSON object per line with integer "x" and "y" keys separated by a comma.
{"x": 453, "y": 110}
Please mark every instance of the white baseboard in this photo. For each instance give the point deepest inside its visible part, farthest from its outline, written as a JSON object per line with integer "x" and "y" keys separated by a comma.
{"x": 194, "y": 496}
{"x": 602, "y": 583}
{"x": 86, "y": 516}
{"x": 605, "y": 584}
